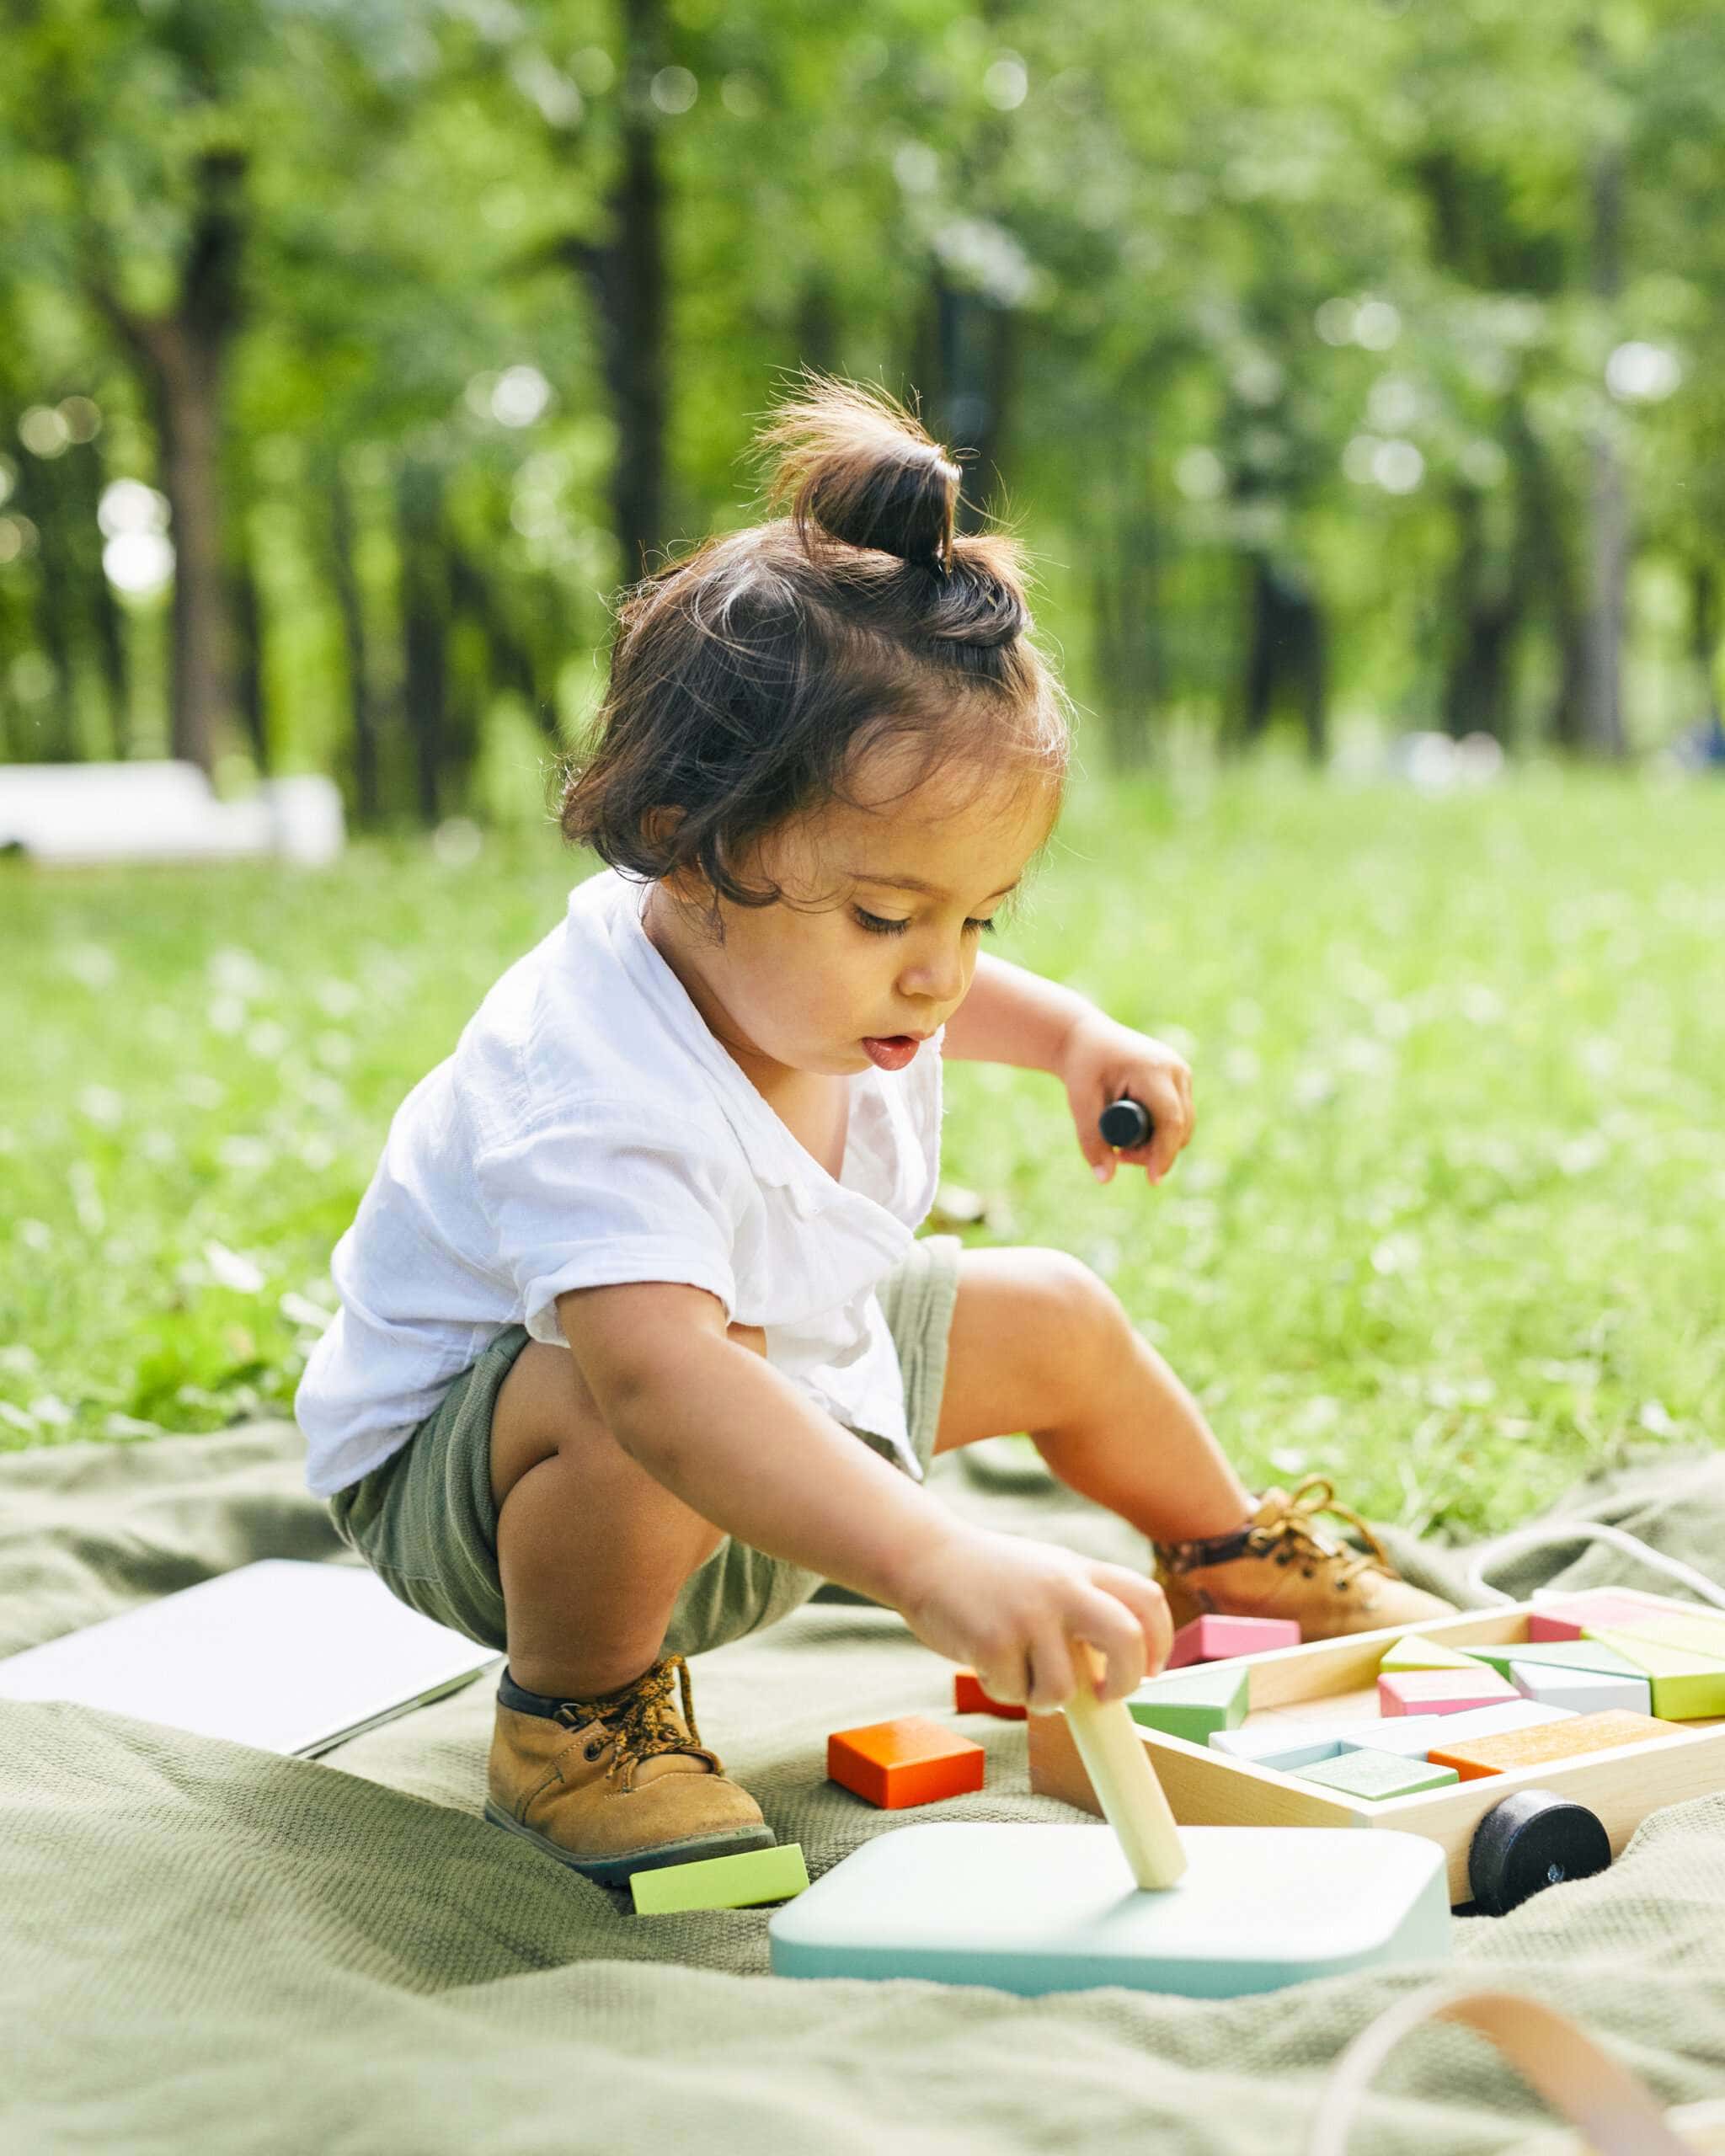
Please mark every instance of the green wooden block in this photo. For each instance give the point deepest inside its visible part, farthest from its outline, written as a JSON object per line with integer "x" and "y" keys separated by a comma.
{"x": 1685, "y": 1686}
{"x": 1193, "y": 1703}
{"x": 1413, "y": 1652}
{"x": 1699, "y": 1635}
{"x": 1376, "y": 1774}
{"x": 1562, "y": 1654}
{"x": 721, "y": 1882}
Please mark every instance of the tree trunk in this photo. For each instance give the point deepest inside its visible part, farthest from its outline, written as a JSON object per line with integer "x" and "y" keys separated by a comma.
{"x": 246, "y": 617}
{"x": 425, "y": 622}
{"x": 40, "y": 497}
{"x": 977, "y": 344}
{"x": 183, "y": 356}
{"x": 1487, "y": 606}
{"x": 1599, "y": 699}
{"x": 626, "y": 278}
{"x": 1287, "y": 647}
{"x": 818, "y": 326}
{"x": 350, "y": 602}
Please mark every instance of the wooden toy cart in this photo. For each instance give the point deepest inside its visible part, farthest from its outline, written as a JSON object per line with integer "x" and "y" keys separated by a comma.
{"x": 1335, "y": 1680}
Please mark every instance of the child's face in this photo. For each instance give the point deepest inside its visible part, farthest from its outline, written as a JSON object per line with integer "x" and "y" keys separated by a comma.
{"x": 801, "y": 985}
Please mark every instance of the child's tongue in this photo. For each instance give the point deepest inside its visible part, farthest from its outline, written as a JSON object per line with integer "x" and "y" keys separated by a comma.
{"x": 891, "y": 1054}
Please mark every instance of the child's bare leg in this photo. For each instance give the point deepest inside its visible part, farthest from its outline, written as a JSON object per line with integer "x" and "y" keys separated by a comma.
{"x": 1039, "y": 1343}
{"x": 591, "y": 1549}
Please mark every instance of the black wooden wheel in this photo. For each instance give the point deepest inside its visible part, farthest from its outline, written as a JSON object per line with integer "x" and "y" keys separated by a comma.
{"x": 1530, "y": 1841}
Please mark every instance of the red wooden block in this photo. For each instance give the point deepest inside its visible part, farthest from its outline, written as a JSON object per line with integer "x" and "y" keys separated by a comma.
{"x": 969, "y": 1699}
{"x": 1214, "y": 1638}
{"x": 909, "y": 1761}
{"x": 1575, "y": 1614}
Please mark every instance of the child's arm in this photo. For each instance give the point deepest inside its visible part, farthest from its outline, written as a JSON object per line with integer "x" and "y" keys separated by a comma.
{"x": 1013, "y": 1015}
{"x": 731, "y": 1436}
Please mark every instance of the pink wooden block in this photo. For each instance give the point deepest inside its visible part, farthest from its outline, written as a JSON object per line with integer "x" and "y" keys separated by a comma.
{"x": 1441, "y": 1691}
{"x": 1220, "y": 1639}
{"x": 1576, "y": 1613}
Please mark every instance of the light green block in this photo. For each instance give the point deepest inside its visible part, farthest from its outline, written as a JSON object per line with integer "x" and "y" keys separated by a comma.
{"x": 721, "y": 1882}
{"x": 1699, "y": 1635}
{"x": 1193, "y": 1703}
{"x": 1377, "y": 1775}
{"x": 1685, "y": 1686}
{"x": 1413, "y": 1653}
{"x": 1561, "y": 1654}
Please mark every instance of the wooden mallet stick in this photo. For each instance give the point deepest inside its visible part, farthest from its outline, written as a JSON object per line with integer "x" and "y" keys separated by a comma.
{"x": 1120, "y": 1772}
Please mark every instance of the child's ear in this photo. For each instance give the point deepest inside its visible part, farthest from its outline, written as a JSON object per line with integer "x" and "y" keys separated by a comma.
{"x": 686, "y": 884}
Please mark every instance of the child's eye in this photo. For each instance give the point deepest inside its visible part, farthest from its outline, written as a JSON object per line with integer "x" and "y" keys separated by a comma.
{"x": 876, "y": 926}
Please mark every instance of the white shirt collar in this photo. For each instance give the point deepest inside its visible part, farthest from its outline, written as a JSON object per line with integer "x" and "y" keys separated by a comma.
{"x": 774, "y": 1154}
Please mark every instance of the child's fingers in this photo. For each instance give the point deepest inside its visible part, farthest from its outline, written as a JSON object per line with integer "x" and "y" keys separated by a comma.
{"x": 1174, "y": 1121}
{"x": 1054, "y": 1674}
{"x": 1149, "y": 1605}
{"x": 1112, "y": 1626}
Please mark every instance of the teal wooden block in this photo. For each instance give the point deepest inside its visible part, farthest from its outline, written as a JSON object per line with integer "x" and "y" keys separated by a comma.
{"x": 1193, "y": 1703}
{"x": 1561, "y": 1654}
{"x": 1033, "y": 1908}
{"x": 1276, "y": 1746}
{"x": 721, "y": 1882}
{"x": 1377, "y": 1775}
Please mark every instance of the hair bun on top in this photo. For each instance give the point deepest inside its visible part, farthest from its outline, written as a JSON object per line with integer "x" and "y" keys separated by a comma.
{"x": 853, "y": 465}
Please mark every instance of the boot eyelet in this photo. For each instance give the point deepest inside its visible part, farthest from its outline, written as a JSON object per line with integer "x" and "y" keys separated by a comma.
{"x": 592, "y": 1750}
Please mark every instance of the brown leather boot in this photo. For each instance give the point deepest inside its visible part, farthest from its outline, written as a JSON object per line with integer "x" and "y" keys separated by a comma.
{"x": 1281, "y": 1564}
{"x": 618, "y": 1784}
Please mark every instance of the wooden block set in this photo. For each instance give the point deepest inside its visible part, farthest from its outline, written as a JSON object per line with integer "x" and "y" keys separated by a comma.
{"x": 1601, "y": 1706}
{"x": 1594, "y": 1673}
{"x": 1610, "y": 1698}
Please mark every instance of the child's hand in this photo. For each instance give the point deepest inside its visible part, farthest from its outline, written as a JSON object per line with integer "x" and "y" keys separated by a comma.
{"x": 1011, "y": 1608}
{"x": 1102, "y": 1062}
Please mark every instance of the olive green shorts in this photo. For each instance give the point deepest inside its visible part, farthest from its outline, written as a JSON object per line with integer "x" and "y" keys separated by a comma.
{"x": 425, "y": 1522}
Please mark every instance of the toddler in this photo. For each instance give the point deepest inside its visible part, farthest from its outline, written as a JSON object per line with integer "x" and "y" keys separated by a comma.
{"x": 637, "y": 1342}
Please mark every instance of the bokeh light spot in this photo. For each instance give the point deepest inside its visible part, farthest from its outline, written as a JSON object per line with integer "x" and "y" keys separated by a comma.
{"x": 674, "y": 90}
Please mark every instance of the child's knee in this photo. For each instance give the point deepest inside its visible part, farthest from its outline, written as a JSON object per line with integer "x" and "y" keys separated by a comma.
{"x": 1079, "y": 1309}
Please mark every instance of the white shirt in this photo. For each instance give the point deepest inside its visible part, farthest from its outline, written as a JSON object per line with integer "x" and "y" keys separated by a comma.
{"x": 589, "y": 1130}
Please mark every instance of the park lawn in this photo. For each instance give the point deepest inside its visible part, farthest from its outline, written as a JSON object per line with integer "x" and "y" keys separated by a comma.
{"x": 1450, "y": 1230}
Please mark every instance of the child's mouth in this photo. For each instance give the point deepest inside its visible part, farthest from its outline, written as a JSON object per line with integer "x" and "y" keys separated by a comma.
{"x": 892, "y": 1052}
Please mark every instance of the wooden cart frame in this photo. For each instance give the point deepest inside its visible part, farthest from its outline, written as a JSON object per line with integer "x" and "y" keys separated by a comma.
{"x": 1336, "y": 1680}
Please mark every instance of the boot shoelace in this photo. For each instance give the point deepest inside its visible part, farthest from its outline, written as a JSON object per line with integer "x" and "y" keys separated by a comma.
{"x": 1296, "y": 1530}
{"x": 640, "y": 1722}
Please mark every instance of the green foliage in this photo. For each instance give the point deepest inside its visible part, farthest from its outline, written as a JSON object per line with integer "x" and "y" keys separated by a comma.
{"x": 1323, "y": 291}
{"x": 1450, "y": 1227}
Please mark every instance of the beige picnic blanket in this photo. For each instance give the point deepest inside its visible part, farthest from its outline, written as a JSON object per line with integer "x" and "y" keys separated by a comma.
{"x": 207, "y": 1948}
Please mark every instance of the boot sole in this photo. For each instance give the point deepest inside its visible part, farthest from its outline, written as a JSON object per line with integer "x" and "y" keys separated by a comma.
{"x": 615, "y": 1870}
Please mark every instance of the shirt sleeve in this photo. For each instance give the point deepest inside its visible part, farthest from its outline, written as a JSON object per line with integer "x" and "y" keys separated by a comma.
{"x": 599, "y": 1195}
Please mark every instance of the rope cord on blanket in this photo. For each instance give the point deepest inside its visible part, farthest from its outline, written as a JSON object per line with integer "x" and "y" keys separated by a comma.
{"x": 1586, "y": 1531}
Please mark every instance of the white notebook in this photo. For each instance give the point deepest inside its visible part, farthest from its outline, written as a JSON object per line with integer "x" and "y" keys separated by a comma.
{"x": 284, "y": 1655}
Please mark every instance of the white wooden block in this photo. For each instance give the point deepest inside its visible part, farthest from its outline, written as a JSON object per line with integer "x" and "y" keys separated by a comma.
{"x": 1496, "y": 1720}
{"x": 1581, "y": 1691}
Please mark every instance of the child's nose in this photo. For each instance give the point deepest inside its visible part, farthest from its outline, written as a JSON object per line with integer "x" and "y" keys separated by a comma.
{"x": 938, "y": 975}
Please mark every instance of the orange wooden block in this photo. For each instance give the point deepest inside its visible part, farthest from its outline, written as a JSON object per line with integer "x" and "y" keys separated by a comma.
{"x": 969, "y": 1699}
{"x": 1571, "y": 1739}
{"x": 910, "y": 1761}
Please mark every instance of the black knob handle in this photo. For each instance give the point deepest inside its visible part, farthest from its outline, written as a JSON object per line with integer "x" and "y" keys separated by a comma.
{"x": 1125, "y": 1123}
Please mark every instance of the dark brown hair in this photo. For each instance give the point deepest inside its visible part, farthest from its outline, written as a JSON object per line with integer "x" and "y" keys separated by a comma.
{"x": 747, "y": 674}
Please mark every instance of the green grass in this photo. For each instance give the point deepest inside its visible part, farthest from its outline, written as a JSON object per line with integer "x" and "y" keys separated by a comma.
{"x": 1450, "y": 1230}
